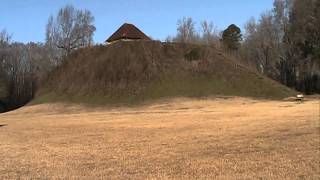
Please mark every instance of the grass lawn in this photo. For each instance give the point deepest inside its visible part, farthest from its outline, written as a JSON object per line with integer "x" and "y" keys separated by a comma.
{"x": 234, "y": 138}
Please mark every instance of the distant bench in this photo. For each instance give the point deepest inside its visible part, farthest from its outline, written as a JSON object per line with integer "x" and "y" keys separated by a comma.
{"x": 300, "y": 97}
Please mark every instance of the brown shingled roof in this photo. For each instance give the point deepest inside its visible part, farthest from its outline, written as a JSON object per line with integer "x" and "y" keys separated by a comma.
{"x": 127, "y": 31}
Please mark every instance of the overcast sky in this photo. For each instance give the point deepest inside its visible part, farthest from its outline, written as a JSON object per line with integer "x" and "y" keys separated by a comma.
{"x": 26, "y": 19}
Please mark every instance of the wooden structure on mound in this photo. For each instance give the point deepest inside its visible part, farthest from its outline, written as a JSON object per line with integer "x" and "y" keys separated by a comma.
{"x": 127, "y": 32}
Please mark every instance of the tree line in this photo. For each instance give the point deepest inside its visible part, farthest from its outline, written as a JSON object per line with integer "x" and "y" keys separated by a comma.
{"x": 24, "y": 66}
{"x": 283, "y": 44}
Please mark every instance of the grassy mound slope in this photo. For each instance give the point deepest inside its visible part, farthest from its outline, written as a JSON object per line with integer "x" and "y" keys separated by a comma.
{"x": 130, "y": 72}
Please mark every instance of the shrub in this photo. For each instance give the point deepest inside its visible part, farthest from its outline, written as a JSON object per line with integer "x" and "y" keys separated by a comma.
{"x": 194, "y": 54}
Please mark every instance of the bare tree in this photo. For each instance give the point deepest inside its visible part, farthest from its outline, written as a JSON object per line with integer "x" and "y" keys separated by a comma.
{"x": 71, "y": 29}
{"x": 284, "y": 44}
{"x": 262, "y": 43}
{"x": 4, "y": 43}
{"x": 4, "y": 37}
{"x": 209, "y": 33}
{"x": 303, "y": 44}
{"x": 169, "y": 39}
{"x": 186, "y": 30}
{"x": 187, "y": 33}
{"x": 22, "y": 66}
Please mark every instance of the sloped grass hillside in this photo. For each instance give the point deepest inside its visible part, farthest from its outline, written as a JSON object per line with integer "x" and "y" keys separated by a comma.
{"x": 135, "y": 71}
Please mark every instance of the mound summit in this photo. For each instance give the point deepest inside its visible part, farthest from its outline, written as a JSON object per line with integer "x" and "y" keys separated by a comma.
{"x": 134, "y": 71}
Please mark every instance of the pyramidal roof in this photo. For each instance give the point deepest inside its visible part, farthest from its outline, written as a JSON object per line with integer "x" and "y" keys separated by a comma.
{"x": 127, "y": 31}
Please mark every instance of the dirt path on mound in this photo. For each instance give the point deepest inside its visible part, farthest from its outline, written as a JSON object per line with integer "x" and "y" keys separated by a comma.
{"x": 233, "y": 138}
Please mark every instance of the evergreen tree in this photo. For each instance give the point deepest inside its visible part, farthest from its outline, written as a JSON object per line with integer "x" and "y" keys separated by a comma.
{"x": 231, "y": 37}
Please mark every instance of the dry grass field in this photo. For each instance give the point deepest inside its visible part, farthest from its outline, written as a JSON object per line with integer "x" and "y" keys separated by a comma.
{"x": 233, "y": 138}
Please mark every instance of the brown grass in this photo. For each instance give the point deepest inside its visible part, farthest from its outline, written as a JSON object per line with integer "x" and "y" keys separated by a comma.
{"x": 138, "y": 70}
{"x": 179, "y": 139}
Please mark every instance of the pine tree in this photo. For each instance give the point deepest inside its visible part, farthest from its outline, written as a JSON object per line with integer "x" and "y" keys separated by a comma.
{"x": 231, "y": 37}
